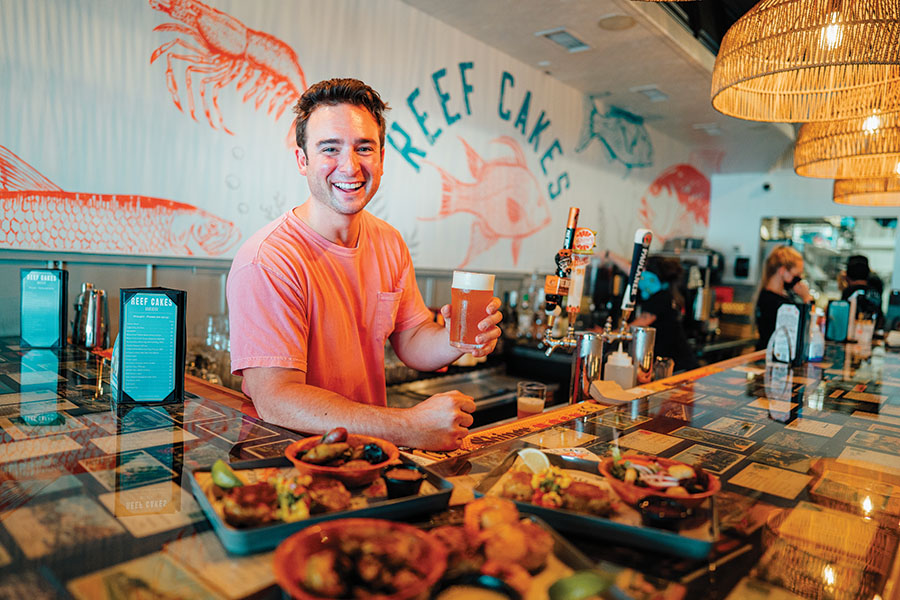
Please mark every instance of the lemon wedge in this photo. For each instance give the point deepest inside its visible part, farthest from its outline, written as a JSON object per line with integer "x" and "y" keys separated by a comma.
{"x": 579, "y": 586}
{"x": 534, "y": 459}
{"x": 223, "y": 476}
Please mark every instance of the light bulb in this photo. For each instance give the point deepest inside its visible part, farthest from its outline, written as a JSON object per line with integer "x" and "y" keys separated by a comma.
{"x": 833, "y": 33}
{"x": 871, "y": 124}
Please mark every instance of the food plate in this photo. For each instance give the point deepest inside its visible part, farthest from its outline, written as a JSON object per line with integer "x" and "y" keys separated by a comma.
{"x": 361, "y": 475}
{"x": 564, "y": 560}
{"x": 433, "y": 496}
{"x": 632, "y": 494}
{"x": 417, "y": 560}
{"x": 693, "y": 539}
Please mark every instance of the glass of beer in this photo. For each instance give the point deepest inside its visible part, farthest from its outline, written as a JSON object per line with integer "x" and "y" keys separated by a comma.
{"x": 470, "y": 294}
{"x": 530, "y": 397}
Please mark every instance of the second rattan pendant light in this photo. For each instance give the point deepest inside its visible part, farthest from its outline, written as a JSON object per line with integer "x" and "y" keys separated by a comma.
{"x": 809, "y": 60}
{"x": 883, "y": 191}
{"x": 862, "y": 147}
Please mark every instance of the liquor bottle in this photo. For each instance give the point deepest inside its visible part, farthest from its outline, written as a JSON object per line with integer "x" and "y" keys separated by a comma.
{"x": 526, "y": 319}
{"x": 511, "y": 316}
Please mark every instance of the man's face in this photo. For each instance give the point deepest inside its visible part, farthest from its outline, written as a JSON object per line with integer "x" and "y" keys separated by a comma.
{"x": 343, "y": 158}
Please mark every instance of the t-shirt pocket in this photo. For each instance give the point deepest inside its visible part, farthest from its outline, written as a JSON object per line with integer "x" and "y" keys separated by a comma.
{"x": 386, "y": 313}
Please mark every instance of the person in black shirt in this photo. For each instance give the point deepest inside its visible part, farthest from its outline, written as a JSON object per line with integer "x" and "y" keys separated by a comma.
{"x": 861, "y": 279}
{"x": 781, "y": 283}
{"x": 661, "y": 305}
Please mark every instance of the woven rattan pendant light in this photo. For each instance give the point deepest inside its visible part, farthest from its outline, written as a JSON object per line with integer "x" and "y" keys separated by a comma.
{"x": 862, "y": 147}
{"x": 883, "y": 191}
{"x": 809, "y": 60}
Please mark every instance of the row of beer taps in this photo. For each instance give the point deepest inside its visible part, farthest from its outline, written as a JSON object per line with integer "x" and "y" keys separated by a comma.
{"x": 568, "y": 282}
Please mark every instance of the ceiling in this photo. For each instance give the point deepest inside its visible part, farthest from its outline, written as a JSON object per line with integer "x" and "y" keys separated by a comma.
{"x": 709, "y": 20}
{"x": 659, "y": 50}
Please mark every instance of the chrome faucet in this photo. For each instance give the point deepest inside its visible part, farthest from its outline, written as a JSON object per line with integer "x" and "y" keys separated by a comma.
{"x": 568, "y": 341}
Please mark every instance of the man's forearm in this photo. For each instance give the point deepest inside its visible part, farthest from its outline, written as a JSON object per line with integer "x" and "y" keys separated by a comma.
{"x": 427, "y": 348}
{"x": 312, "y": 409}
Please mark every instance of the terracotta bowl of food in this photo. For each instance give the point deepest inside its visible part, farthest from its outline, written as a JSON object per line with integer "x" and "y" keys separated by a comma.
{"x": 354, "y": 469}
{"x": 688, "y": 478}
{"x": 323, "y": 561}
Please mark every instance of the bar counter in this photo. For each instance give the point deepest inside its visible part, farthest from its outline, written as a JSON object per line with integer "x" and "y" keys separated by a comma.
{"x": 95, "y": 503}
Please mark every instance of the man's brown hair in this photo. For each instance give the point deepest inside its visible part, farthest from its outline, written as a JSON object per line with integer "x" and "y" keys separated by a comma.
{"x": 332, "y": 92}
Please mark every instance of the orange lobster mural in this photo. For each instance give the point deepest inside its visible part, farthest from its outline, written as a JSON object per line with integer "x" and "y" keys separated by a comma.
{"x": 35, "y": 214}
{"x": 676, "y": 203}
{"x": 505, "y": 199}
{"x": 219, "y": 48}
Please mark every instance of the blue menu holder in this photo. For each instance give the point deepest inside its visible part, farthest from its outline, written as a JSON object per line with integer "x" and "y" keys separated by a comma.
{"x": 43, "y": 304}
{"x": 148, "y": 357}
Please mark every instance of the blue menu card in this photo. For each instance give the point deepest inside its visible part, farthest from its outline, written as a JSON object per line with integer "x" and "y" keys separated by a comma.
{"x": 43, "y": 305}
{"x": 149, "y": 361}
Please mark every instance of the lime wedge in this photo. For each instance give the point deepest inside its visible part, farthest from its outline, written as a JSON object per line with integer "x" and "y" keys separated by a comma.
{"x": 223, "y": 476}
{"x": 579, "y": 586}
{"x": 534, "y": 459}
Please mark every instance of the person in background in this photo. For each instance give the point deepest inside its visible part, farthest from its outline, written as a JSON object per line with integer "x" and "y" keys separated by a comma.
{"x": 782, "y": 283}
{"x": 314, "y": 295}
{"x": 661, "y": 306}
{"x": 867, "y": 286}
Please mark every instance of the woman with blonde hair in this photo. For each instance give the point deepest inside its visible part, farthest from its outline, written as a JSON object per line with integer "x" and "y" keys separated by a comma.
{"x": 781, "y": 283}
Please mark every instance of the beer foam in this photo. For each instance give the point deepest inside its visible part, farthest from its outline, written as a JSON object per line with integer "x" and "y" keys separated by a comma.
{"x": 465, "y": 280}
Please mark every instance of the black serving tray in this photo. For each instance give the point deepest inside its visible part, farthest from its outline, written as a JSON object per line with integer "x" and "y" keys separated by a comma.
{"x": 625, "y": 527}
{"x": 434, "y": 496}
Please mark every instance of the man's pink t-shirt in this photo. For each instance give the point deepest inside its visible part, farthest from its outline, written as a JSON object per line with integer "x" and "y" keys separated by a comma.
{"x": 299, "y": 301}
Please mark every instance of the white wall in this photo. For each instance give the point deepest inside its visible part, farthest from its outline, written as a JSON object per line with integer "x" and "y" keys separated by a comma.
{"x": 84, "y": 107}
{"x": 739, "y": 202}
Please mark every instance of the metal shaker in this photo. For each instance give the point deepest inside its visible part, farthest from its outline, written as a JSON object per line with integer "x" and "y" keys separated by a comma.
{"x": 91, "y": 328}
{"x": 586, "y": 366}
{"x": 643, "y": 340}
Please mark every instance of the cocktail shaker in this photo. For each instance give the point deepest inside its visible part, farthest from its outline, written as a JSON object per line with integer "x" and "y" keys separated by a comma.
{"x": 91, "y": 327}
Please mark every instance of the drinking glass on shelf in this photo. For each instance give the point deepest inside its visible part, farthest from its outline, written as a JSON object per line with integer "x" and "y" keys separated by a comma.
{"x": 530, "y": 398}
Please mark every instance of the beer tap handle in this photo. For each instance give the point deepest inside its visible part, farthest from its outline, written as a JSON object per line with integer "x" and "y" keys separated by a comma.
{"x": 555, "y": 287}
{"x": 642, "y": 239}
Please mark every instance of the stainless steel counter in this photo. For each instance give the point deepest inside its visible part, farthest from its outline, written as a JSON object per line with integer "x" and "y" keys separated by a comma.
{"x": 490, "y": 388}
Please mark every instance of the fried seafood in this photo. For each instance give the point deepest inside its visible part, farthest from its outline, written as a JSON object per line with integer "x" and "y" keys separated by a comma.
{"x": 323, "y": 454}
{"x": 328, "y": 495}
{"x": 364, "y": 562}
{"x": 495, "y": 541}
{"x": 321, "y": 575}
{"x": 280, "y": 497}
{"x": 518, "y": 486}
{"x": 586, "y": 498}
{"x": 337, "y": 449}
{"x": 522, "y": 543}
{"x": 462, "y": 556}
{"x": 486, "y": 512}
{"x": 249, "y": 505}
{"x": 377, "y": 489}
{"x": 551, "y": 488}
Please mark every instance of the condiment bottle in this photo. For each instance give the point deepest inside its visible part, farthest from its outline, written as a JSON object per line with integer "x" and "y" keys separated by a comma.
{"x": 816, "y": 349}
{"x": 619, "y": 369}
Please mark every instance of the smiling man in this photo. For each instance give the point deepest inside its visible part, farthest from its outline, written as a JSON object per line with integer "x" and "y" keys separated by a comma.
{"x": 314, "y": 295}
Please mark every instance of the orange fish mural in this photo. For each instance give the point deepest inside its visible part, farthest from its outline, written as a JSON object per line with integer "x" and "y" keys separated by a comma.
{"x": 504, "y": 197}
{"x": 35, "y": 214}
{"x": 676, "y": 203}
{"x": 218, "y": 49}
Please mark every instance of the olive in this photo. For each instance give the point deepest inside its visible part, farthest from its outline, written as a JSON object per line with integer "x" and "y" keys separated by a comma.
{"x": 373, "y": 454}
